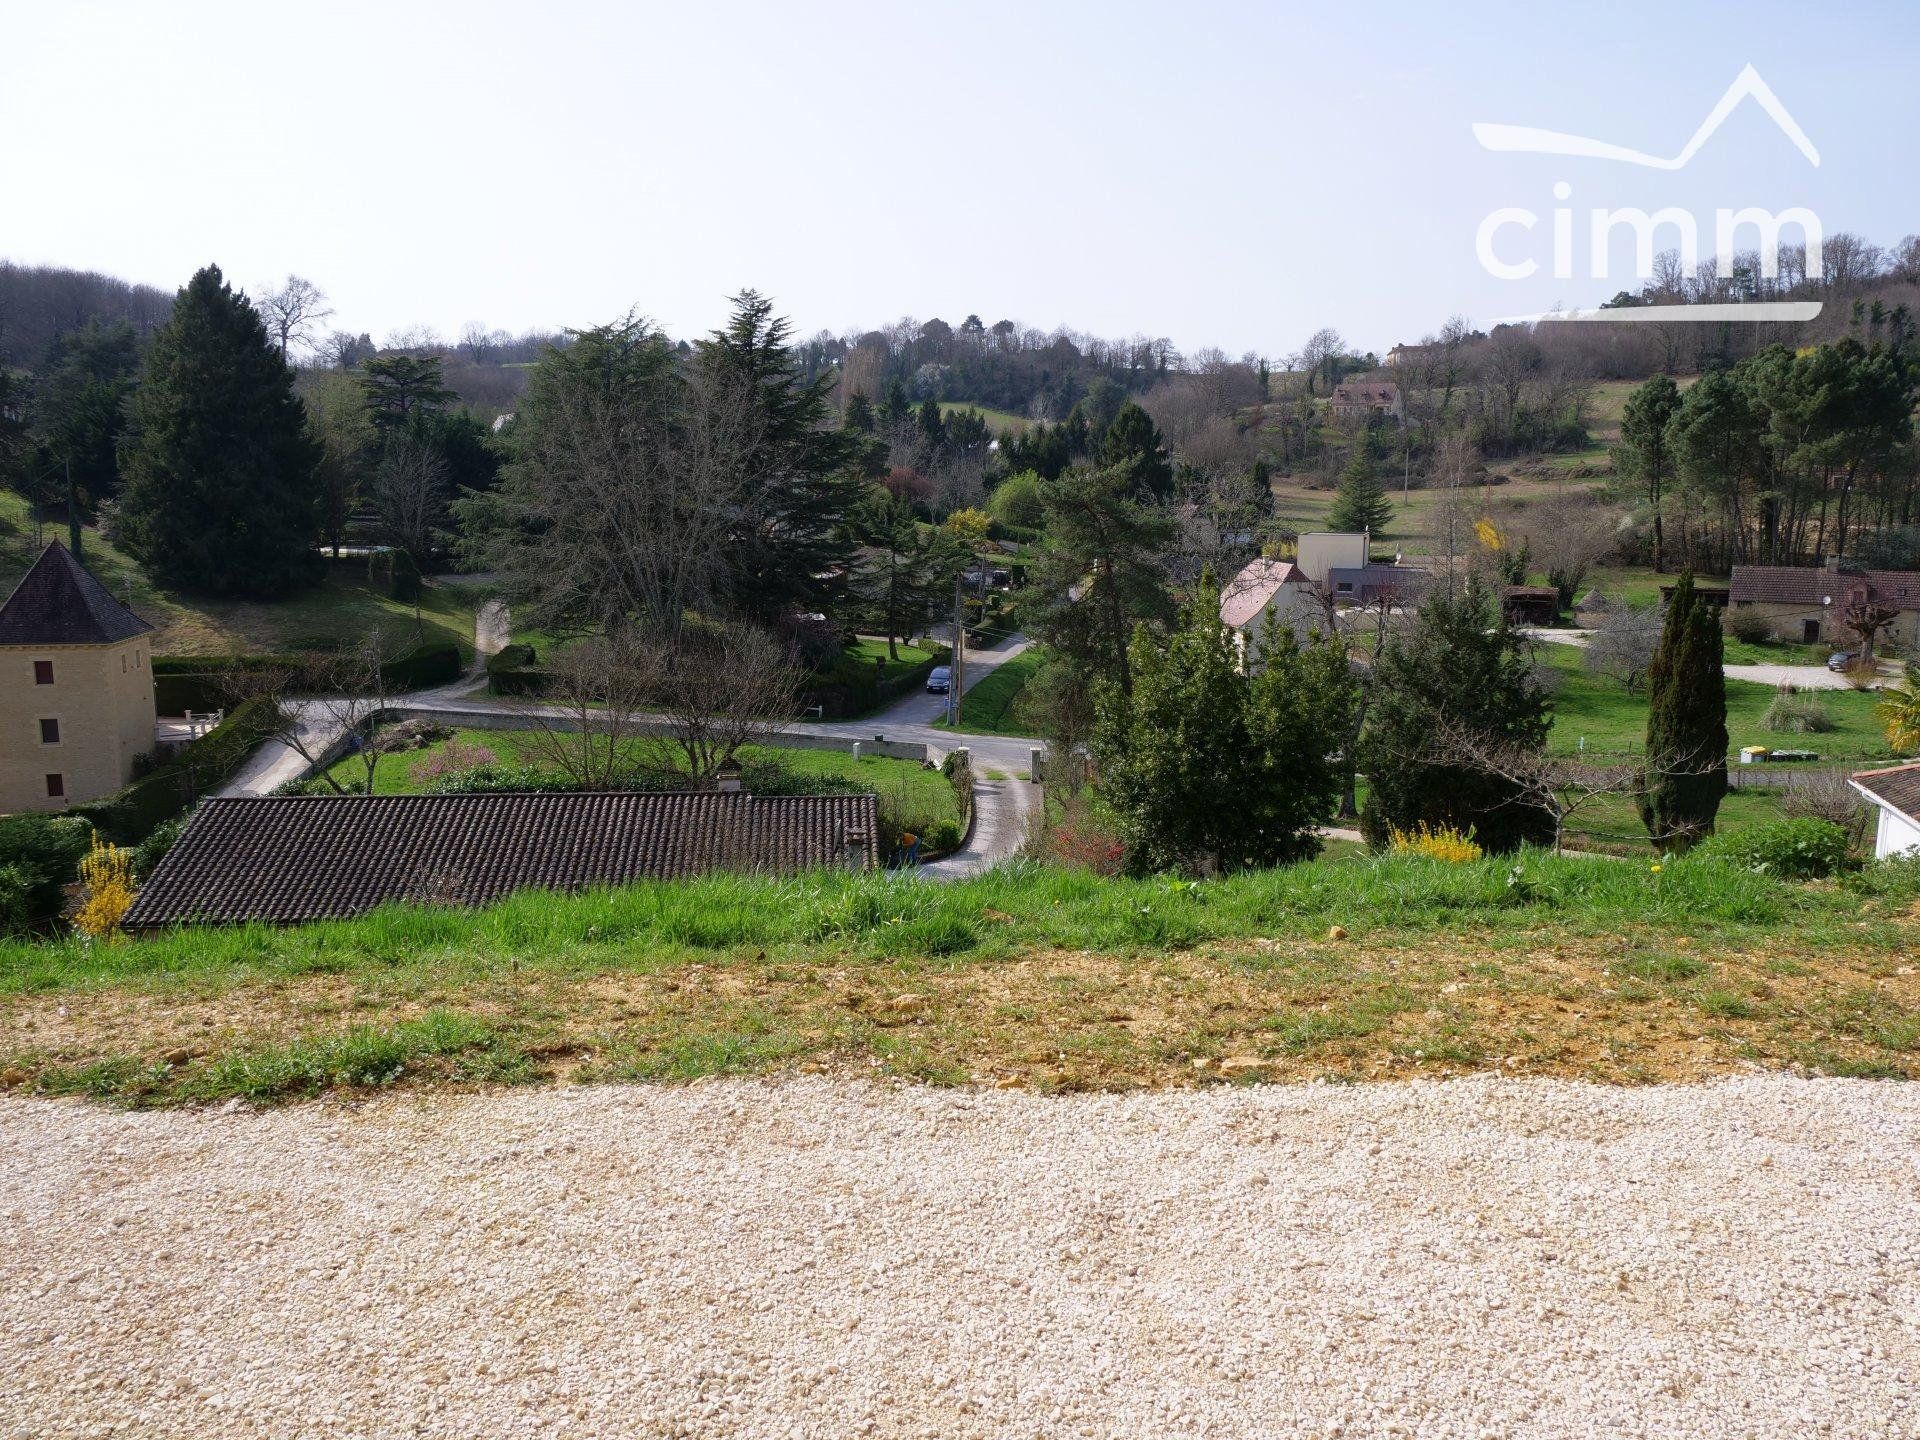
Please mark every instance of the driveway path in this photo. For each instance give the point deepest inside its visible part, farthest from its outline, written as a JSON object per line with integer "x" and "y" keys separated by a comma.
{"x": 1451, "y": 1260}
{"x": 1002, "y": 806}
{"x": 1801, "y": 677}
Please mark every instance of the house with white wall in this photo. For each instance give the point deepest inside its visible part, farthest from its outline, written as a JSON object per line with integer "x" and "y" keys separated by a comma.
{"x": 1895, "y": 794}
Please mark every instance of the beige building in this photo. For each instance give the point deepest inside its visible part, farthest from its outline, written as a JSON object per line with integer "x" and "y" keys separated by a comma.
{"x": 1807, "y": 604}
{"x": 1275, "y": 587}
{"x": 76, "y": 688}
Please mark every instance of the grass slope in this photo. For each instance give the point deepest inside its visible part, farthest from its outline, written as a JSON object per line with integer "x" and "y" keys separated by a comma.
{"x": 1059, "y": 980}
{"x": 992, "y": 706}
{"x": 918, "y": 797}
{"x": 343, "y": 606}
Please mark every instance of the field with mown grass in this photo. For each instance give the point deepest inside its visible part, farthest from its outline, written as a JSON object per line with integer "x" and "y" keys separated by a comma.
{"x": 345, "y": 606}
{"x": 910, "y": 794}
{"x": 1339, "y": 969}
{"x": 1004, "y": 422}
{"x": 1615, "y": 723}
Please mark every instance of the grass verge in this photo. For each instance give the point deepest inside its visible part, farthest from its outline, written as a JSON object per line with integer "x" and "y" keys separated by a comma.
{"x": 1057, "y": 980}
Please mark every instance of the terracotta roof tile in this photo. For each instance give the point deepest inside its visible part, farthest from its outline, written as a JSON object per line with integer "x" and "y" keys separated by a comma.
{"x": 1810, "y": 584}
{"x": 1898, "y": 787}
{"x": 294, "y": 858}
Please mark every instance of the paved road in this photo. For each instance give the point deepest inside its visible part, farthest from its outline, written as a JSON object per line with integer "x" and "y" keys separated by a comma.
{"x": 1801, "y": 677}
{"x": 1004, "y": 800}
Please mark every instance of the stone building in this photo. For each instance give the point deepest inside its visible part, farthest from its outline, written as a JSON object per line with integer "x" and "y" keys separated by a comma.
{"x": 76, "y": 688}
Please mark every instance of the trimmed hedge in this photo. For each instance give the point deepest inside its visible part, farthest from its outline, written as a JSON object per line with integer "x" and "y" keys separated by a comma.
{"x": 512, "y": 671}
{"x": 852, "y": 689}
{"x": 198, "y": 682}
{"x": 129, "y": 816}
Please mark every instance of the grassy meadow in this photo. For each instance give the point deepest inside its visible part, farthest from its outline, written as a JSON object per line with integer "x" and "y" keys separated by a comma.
{"x": 917, "y": 797}
{"x": 346, "y": 604}
{"x": 1340, "y": 969}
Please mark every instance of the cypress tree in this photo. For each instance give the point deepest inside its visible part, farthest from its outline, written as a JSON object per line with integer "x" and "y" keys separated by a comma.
{"x": 1686, "y": 770}
{"x": 221, "y": 479}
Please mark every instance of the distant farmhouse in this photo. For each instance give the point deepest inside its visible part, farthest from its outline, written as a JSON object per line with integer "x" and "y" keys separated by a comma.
{"x": 1367, "y": 398}
{"x": 1803, "y": 604}
{"x": 76, "y": 688}
{"x": 288, "y": 859}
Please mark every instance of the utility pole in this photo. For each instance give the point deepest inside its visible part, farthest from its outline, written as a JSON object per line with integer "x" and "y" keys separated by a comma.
{"x": 958, "y": 668}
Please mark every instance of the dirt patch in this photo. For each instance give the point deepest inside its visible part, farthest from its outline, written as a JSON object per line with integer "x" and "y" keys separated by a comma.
{"x": 1597, "y": 1009}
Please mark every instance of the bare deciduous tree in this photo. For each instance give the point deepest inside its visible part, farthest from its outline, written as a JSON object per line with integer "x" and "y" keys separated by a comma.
{"x": 590, "y": 725}
{"x": 409, "y": 494}
{"x": 292, "y": 311}
{"x": 722, "y": 694}
{"x": 1624, "y": 643}
{"x": 1556, "y": 785}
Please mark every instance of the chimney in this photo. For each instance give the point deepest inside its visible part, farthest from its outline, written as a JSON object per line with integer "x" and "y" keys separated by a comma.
{"x": 727, "y": 779}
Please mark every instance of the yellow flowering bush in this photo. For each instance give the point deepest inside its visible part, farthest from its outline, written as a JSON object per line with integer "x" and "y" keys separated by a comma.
{"x": 1444, "y": 844}
{"x": 107, "y": 875}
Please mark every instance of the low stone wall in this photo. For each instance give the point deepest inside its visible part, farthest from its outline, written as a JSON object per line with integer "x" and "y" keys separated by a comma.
{"x": 786, "y": 740}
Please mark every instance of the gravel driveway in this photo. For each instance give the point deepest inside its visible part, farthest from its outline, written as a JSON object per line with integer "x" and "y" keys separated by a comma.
{"x": 808, "y": 1257}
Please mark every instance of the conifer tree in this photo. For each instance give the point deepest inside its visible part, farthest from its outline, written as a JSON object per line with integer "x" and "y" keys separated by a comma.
{"x": 221, "y": 485}
{"x": 1461, "y": 668}
{"x": 1359, "y": 503}
{"x": 1686, "y": 772}
{"x": 1132, "y": 442}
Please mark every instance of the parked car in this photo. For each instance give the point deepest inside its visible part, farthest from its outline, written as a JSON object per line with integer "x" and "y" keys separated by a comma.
{"x": 939, "y": 679}
{"x": 1841, "y": 660}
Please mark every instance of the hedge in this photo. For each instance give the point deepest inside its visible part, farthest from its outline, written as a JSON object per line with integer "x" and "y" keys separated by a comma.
{"x": 199, "y": 682}
{"x": 851, "y": 689}
{"x": 511, "y": 671}
{"x": 128, "y": 816}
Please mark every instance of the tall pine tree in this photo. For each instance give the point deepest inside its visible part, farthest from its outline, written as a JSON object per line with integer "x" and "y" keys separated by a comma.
{"x": 793, "y": 478}
{"x": 221, "y": 486}
{"x": 1359, "y": 503}
{"x": 1686, "y": 770}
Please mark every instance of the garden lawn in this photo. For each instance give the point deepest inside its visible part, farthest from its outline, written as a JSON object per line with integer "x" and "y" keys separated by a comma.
{"x": 910, "y": 795}
{"x": 868, "y": 649}
{"x": 1529, "y": 965}
{"x": 1615, "y": 723}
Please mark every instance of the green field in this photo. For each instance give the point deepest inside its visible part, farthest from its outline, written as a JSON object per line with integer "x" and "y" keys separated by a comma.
{"x": 342, "y": 607}
{"x": 1615, "y": 723}
{"x": 1003, "y": 421}
{"x": 910, "y": 795}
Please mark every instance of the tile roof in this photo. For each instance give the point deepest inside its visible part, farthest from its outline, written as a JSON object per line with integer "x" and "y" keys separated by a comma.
{"x": 58, "y": 603}
{"x": 1810, "y": 584}
{"x": 1897, "y": 788}
{"x": 285, "y": 859}
{"x": 1249, "y": 593}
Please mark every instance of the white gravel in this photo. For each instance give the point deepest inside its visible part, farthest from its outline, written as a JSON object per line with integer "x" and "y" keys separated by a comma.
{"x": 823, "y": 1258}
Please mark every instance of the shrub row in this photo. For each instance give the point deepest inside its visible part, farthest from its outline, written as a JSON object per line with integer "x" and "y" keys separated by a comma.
{"x": 852, "y": 689}
{"x": 129, "y": 816}
{"x": 201, "y": 682}
{"x": 514, "y": 671}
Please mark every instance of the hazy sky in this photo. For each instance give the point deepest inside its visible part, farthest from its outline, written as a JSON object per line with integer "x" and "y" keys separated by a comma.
{"x": 1228, "y": 174}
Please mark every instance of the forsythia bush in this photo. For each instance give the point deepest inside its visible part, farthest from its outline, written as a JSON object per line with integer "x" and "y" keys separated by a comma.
{"x": 1445, "y": 844}
{"x": 107, "y": 874}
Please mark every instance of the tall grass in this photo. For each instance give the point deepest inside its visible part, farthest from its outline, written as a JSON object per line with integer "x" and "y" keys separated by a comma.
{"x": 1013, "y": 909}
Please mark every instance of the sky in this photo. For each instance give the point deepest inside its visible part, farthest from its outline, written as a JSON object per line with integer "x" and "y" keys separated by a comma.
{"x": 1232, "y": 175}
